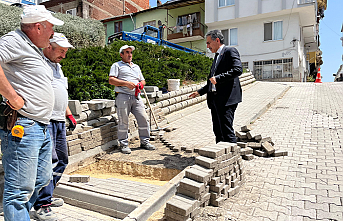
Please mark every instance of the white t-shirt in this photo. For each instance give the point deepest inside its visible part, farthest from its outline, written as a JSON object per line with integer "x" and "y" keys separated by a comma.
{"x": 123, "y": 71}
{"x": 29, "y": 74}
{"x": 60, "y": 86}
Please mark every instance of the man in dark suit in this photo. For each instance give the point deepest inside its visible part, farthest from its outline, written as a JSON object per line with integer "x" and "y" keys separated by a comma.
{"x": 223, "y": 87}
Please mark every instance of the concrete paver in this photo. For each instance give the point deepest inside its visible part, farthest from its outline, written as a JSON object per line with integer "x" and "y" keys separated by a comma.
{"x": 305, "y": 185}
{"x": 307, "y": 122}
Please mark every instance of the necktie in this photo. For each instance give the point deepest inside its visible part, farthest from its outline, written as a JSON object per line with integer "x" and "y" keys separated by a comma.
{"x": 214, "y": 64}
{"x": 212, "y": 86}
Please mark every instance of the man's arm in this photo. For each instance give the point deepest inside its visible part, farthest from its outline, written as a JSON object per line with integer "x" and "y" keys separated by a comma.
{"x": 117, "y": 82}
{"x": 71, "y": 119}
{"x": 233, "y": 54}
{"x": 15, "y": 101}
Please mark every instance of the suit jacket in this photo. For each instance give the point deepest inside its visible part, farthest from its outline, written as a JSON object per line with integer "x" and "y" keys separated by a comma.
{"x": 226, "y": 71}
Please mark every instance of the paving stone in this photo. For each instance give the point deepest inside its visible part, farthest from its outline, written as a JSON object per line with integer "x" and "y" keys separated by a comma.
{"x": 206, "y": 162}
{"x": 192, "y": 185}
{"x": 79, "y": 178}
{"x": 182, "y": 204}
{"x": 268, "y": 147}
{"x": 211, "y": 152}
{"x": 197, "y": 175}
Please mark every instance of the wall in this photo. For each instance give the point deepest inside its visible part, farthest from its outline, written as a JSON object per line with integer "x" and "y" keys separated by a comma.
{"x": 172, "y": 21}
{"x": 126, "y": 22}
{"x": 255, "y": 49}
{"x": 199, "y": 45}
{"x": 99, "y": 9}
{"x": 157, "y": 14}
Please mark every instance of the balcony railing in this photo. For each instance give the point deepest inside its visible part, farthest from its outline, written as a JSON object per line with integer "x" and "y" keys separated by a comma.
{"x": 180, "y": 33}
{"x": 300, "y": 2}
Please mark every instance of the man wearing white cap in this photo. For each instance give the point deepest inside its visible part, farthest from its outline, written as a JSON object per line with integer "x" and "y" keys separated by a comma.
{"x": 25, "y": 84}
{"x": 54, "y": 53}
{"x": 127, "y": 77}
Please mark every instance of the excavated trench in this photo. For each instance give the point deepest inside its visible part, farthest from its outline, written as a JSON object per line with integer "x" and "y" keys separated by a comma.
{"x": 128, "y": 171}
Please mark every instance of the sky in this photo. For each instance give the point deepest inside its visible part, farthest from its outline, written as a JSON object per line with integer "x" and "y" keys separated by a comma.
{"x": 330, "y": 34}
{"x": 330, "y": 43}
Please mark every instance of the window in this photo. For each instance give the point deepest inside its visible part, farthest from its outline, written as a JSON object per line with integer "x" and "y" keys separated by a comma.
{"x": 233, "y": 36}
{"x": 223, "y": 3}
{"x": 118, "y": 26}
{"x": 245, "y": 65}
{"x": 226, "y": 36}
{"x": 280, "y": 68}
{"x": 233, "y": 39}
{"x": 152, "y": 23}
{"x": 273, "y": 31}
{"x": 71, "y": 12}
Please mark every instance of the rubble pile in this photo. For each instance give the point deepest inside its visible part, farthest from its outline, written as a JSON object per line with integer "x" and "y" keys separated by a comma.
{"x": 252, "y": 143}
{"x": 218, "y": 173}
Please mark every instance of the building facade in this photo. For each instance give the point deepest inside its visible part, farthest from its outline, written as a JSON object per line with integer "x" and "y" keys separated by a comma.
{"x": 184, "y": 22}
{"x": 274, "y": 37}
{"x": 96, "y": 9}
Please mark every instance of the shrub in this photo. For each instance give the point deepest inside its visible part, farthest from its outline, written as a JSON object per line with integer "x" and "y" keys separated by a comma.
{"x": 80, "y": 32}
{"x": 87, "y": 69}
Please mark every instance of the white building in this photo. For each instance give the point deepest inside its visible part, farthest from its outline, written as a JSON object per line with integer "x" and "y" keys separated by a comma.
{"x": 272, "y": 36}
{"x": 24, "y": 2}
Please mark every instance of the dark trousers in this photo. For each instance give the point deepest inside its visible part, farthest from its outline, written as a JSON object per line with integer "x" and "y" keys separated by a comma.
{"x": 222, "y": 118}
{"x": 57, "y": 131}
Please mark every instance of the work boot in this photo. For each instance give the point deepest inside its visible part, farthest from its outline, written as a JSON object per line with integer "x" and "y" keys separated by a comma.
{"x": 125, "y": 149}
{"x": 56, "y": 202}
{"x": 45, "y": 214}
{"x": 148, "y": 146}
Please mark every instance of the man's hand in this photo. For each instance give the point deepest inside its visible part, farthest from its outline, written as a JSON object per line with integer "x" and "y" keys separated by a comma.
{"x": 16, "y": 103}
{"x": 130, "y": 85}
{"x": 213, "y": 80}
{"x": 194, "y": 94}
{"x": 72, "y": 122}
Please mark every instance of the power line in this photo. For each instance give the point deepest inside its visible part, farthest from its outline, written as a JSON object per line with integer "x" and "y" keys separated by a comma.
{"x": 331, "y": 29}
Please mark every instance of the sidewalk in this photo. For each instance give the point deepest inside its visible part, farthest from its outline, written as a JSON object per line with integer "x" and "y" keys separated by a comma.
{"x": 308, "y": 183}
{"x": 195, "y": 130}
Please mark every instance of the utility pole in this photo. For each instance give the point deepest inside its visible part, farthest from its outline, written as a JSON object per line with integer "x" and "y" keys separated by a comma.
{"x": 123, "y": 7}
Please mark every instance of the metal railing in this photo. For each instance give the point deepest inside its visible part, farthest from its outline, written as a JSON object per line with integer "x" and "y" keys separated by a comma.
{"x": 187, "y": 30}
{"x": 300, "y": 2}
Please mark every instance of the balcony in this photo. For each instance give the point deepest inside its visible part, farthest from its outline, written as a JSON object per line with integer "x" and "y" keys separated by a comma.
{"x": 301, "y": 2}
{"x": 190, "y": 32}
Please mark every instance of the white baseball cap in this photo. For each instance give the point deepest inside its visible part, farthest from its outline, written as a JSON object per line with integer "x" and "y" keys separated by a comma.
{"x": 38, "y": 13}
{"x": 126, "y": 47}
{"x": 61, "y": 40}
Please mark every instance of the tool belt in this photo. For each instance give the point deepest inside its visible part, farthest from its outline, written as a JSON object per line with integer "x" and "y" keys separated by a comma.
{"x": 8, "y": 116}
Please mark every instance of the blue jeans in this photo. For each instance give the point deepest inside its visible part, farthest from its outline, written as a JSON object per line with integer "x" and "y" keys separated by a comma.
{"x": 57, "y": 131}
{"x": 27, "y": 167}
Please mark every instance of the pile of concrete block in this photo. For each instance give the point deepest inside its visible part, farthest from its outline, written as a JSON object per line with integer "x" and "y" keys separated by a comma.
{"x": 90, "y": 138}
{"x": 97, "y": 125}
{"x": 217, "y": 175}
{"x": 246, "y": 78}
{"x": 252, "y": 143}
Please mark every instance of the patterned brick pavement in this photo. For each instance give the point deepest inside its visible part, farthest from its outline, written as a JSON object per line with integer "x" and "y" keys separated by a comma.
{"x": 307, "y": 184}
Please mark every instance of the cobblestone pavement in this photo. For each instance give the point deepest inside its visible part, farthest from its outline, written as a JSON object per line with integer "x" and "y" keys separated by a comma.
{"x": 308, "y": 183}
{"x": 73, "y": 213}
{"x": 196, "y": 129}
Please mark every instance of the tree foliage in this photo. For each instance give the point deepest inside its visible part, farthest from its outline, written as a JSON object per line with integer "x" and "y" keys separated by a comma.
{"x": 87, "y": 69}
{"x": 80, "y": 32}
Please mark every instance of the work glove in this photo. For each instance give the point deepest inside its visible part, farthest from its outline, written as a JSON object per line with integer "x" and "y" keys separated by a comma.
{"x": 138, "y": 89}
{"x": 72, "y": 122}
{"x": 140, "y": 85}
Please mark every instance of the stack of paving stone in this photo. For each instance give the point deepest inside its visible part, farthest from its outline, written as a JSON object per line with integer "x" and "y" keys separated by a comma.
{"x": 217, "y": 175}
{"x": 252, "y": 143}
{"x": 97, "y": 125}
{"x": 246, "y": 78}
